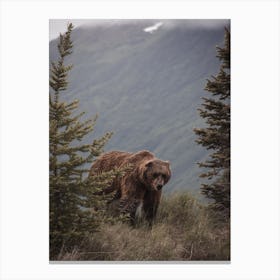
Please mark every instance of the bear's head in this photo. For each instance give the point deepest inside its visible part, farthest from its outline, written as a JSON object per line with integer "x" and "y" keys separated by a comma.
{"x": 155, "y": 174}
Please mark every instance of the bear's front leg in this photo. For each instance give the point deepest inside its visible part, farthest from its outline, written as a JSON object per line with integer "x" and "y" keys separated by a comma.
{"x": 150, "y": 214}
{"x": 151, "y": 203}
{"x": 133, "y": 207}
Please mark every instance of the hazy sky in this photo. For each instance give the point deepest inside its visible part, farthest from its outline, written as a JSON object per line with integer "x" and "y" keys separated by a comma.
{"x": 57, "y": 26}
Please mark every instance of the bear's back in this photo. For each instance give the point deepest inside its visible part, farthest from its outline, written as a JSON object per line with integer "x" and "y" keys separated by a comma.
{"x": 109, "y": 161}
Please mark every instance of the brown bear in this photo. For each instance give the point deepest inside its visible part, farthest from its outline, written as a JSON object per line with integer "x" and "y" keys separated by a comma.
{"x": 139, "y": 190}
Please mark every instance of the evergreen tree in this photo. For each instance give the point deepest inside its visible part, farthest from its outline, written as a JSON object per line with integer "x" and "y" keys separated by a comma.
{"x": 216, "y": 136}
{"x": 73, "y": 206}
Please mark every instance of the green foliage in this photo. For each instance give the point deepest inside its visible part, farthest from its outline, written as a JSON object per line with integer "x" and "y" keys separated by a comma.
{"x": 216, "y": 136}
{"x": 184, "y": 231}
{"x": 74, "y": 211}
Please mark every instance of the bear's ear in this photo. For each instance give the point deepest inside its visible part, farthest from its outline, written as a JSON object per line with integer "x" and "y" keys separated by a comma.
{"x": 167, "y": 163}
{"x": 149, "y": 164}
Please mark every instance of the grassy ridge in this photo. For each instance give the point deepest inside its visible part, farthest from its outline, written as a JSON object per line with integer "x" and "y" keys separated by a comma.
{"x": 184, "y": 231}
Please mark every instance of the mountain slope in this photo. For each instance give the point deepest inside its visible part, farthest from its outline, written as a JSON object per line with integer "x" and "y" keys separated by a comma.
{"x": 146, "y": 87}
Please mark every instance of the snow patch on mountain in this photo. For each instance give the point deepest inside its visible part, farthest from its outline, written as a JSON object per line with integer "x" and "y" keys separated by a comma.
{"x": 153, "y": 28}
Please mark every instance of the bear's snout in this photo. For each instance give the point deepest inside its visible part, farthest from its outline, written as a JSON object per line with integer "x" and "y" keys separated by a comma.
{"x": 159, "y": 187}
{"x": 158, "y": 182}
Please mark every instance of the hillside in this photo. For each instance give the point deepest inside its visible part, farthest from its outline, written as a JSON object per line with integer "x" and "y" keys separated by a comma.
{"x": 146, "y": 87}
{"x": 184, "y": 230}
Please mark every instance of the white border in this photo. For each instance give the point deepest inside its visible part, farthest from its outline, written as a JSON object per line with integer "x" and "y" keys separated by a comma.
{"x": 255, "y": 138}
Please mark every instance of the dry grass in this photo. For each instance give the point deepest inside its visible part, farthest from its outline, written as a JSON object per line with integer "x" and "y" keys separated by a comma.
{"x": 184, "y": 231}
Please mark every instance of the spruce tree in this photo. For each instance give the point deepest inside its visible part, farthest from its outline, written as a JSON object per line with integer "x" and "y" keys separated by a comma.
{"x": 216, "y": 135}
{"x": 73, "y": 207}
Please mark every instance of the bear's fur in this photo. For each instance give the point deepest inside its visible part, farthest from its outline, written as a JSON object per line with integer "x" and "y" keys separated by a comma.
{"x": 139, "y": 190}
